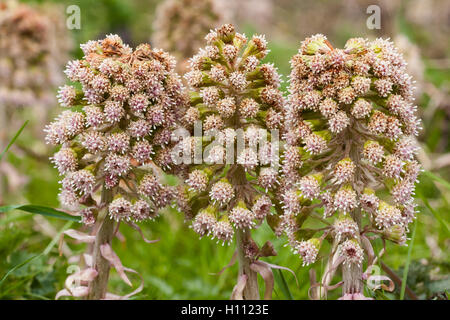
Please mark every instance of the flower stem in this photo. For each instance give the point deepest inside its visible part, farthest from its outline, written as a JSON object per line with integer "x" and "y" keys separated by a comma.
{"x": 251, "y": 291}
{"x": 352, "y": 273}
{"x": 352, "y": 277}
{"x": 328, "y": 273}
{"x": 98, "y": 287}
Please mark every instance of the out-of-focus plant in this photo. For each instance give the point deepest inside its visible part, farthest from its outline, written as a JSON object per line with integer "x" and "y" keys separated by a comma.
{"x": 180, "y": 26}
{"x": 258, "y": 14}
{"x": 120, "y": 116}
{"x": 430, "y": 26}
{"x": 31, "y": 55}
{"x": 351, "y": 152}
{"x": 413, "y": 57}
{"x": 33, "y": 47}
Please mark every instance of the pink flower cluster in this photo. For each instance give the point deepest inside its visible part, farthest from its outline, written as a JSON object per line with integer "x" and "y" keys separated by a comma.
{"x": 350, "y": 146}
{"x": 232, "y": 92}
{"x": 116, "y": 131}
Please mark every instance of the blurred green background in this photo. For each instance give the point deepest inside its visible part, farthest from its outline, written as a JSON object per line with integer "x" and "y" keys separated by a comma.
{"x": 180, "y": 265}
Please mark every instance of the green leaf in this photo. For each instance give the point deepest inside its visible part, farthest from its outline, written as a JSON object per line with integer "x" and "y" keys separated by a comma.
{"x": 45, "y": 211}
{"x": 281, "y": 283}
{"x": 30, "y": 269}
{"x": 13, "y": 139}
{"x": 44, "y": 253}
{"x": 18, "y": 266}
{"x": 431, "y": 175}
{"x": 408, "y": 260}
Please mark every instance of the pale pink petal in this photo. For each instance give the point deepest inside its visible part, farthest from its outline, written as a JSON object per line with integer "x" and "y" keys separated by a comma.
{"x": 80, "y": 291}
{"x": 80, "y": 236}
{"x": 136, "y": 227}
{"x": 347, "y": 296}
{"x": 111, "y": 256}
{"x": 267, "y": 274}
{"x": 88, "y": 259}
{"x": 111, "y": 296}
{"x": 232, "y": 261}
{"x": 88, "y": 275}
{"x": 238, "y": 290}
{"x": 274, "y": 266}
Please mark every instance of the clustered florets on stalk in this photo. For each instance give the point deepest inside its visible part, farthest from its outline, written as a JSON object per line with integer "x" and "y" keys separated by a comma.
{"x": 180, "y": 25}
{"x": 236, "y": 98}
{"x": 33, "y": 48}
{"x": 350, "y": 146}
{"x": 117, "y": 129}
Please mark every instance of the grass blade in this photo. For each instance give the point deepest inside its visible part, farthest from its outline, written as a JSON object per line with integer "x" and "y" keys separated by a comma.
{"x": 436, "y": 215}
{"x": 435, "y": 177}
{"x": 56, "y": 238}
{"x": 282, "y": 284}
{"x": 45, "y": 211}
{"x": 408, "y": 260}
{"x": 13, "y": 139}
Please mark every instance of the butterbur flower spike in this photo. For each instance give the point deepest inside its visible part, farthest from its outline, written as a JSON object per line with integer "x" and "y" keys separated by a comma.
{"x": 350, "y": 119}
{"x": 237, "y": 100}
{"x": 112, "y": 137}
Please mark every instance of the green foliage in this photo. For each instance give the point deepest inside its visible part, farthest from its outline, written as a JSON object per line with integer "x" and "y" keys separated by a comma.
{"x": 428, "y": 280}
{"x": 282, "y": 284}
{"x": 408, "y": 260}
{"x": 45, "y": 211}
{"x": 13, "y": 140}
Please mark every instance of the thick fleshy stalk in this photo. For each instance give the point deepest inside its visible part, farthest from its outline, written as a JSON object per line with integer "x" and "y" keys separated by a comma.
{"x": 243, "y": 239}
{"x": 352, "y": 278}
{"x": 105, "y": 234}
{"x": 352, "y": 272}
{"x": 251, "y": 291}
